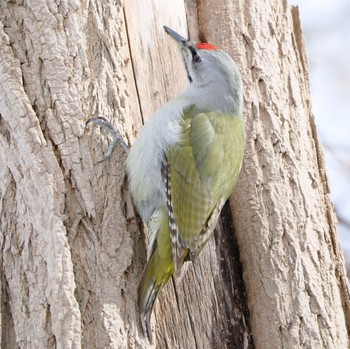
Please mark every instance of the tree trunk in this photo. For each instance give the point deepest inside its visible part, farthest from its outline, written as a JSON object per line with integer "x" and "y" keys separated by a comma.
{"x": 72, "y": 247}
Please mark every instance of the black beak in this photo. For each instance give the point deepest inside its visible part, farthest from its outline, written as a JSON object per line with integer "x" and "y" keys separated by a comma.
{"x": 177, "y": 37}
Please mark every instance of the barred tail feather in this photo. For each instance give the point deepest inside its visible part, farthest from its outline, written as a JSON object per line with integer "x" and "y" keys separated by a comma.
{"x": 151, "y": 283}
{"x": 147, "y": 296}
{"x": 159, "y": 269}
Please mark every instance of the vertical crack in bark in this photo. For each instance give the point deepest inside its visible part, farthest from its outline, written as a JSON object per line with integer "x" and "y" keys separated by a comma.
{"x": 175, "y": 292}
{"x": 238, "y": 332}
{"x": 8, "y": 334}
{"x": 193, "y": 329}
{"x": 192, "y": 19}
{"x": 299, "y": 39}
{"x": 133, "y": 66}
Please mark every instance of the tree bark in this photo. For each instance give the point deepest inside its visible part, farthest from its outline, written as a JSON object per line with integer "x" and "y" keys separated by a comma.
{"x": 72, "y": 247}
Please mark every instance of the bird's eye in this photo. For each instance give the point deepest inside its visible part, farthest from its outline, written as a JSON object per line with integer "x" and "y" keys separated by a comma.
{"x": 196, "y": 58}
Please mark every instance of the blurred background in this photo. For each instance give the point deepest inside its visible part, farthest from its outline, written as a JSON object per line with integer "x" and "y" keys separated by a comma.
{"x": 326, "y": 27}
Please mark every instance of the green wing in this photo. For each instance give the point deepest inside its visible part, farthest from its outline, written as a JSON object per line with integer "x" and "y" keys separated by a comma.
{"x": 201, "y": 174}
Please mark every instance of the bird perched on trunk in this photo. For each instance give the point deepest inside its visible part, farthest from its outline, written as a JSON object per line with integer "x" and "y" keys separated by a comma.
{"x": 184, "y": 164}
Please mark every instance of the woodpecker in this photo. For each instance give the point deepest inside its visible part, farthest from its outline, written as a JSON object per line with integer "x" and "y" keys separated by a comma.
{"x": 183, "y": 165}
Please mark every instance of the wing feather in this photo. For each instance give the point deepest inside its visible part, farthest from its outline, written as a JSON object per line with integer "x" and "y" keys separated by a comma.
{"x": 201, "y": 175}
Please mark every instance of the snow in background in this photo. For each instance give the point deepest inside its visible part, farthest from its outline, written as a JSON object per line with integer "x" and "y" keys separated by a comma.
{"x": 326, "y": 27}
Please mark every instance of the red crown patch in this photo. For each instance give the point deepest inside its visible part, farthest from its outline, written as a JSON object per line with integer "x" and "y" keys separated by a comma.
{"x": 206, "y": 46}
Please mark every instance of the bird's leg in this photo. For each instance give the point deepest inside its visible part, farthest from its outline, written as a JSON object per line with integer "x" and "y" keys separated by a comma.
{"x": 116, "y": 137}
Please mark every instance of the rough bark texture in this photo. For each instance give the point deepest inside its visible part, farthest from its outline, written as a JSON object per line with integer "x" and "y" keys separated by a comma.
{"x": 71, "y": 246}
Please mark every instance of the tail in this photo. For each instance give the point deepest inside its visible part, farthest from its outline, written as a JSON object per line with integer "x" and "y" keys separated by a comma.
{"x": 159, "y": 269}
{"x": 154, "y": 277}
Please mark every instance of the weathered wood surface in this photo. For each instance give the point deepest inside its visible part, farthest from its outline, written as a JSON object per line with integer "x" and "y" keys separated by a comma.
{"x": 71, "y": 246}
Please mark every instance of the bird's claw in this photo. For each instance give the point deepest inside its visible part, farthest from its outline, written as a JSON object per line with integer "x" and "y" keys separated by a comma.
{"x": 116, "y": 137}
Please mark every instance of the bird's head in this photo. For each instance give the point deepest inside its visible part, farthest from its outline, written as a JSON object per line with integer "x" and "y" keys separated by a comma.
{"x": 213, "y": 70}
{"x": 204, "y": 62}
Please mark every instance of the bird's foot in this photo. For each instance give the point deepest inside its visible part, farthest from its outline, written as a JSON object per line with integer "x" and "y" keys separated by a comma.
{"x": 116, "y": 137}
